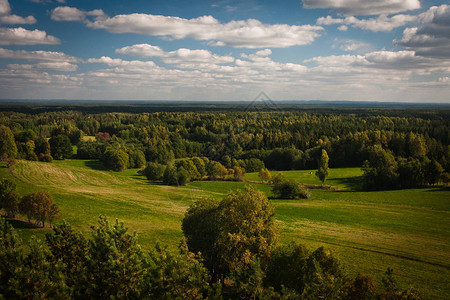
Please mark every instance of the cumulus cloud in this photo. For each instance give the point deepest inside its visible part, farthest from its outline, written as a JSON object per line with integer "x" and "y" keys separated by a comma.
{"x": 39, "y": 55}
{"x": 381, "y": 23}
{"x": 364, "y": 7}
{"x": 66, "y": 13}
{"x": 240, "y": 34}
{"x": 432, "y": 36}
{"x": 7, "y": 18}
{"x": 175, "y": 57}
{"x": 22, "y": 36}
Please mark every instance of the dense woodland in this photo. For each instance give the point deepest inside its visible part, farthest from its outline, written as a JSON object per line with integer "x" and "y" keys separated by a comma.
{"x": 395, "y": 152}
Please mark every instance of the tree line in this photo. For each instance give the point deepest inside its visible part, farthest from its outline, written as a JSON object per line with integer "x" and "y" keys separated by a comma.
{"x": 282, "y": 140}
{"x": 230, "y": 250}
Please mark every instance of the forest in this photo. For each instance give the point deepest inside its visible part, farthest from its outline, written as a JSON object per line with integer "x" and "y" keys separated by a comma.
{"x": 230, "y": 248}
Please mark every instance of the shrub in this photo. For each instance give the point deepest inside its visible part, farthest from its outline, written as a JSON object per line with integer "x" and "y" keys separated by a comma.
{"x": 289, "y": 189}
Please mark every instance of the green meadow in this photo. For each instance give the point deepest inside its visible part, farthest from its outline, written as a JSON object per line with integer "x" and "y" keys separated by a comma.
{"x": 407, "y": 230}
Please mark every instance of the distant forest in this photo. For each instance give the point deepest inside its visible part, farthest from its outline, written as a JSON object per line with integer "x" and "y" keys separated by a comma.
{"x": 394, "y": 151}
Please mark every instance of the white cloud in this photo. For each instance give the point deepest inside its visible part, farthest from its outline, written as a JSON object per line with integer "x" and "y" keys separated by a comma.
{"x": 175, "y": 57}
{"x": 22, "y": 36}
{"x": 352, "y": 45}
{"x": 7, "y": 18}
{"x": 66, "y": 13}
{"x": 432, "y": 36}
{"x": 381, "y": 23}
{"x": 39, "y": 55}
{"x": 364, "y": 7}
{"x": 5, "y": 8}
{"x": 51, "y": 66}
{"x": 240, "y": 34}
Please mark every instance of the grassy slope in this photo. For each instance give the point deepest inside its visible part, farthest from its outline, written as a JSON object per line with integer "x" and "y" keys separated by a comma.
{"x": 407, "y": 230}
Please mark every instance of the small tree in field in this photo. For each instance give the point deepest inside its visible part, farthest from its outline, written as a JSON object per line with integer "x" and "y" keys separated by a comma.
{"x": 264, "y": 174}
{"x": 40, "y": 206}
{"x": 322, "y": 172}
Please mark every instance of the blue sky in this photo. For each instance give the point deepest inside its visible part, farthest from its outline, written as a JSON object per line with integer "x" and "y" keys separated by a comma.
{"x": 384, "y": 50}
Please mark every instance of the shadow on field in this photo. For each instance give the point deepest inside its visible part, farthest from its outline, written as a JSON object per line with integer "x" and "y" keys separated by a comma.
{"x": 440, "y": 189}
{"x": 352, "y": 184}
{"x": 21, "y": 224}
{"x": 95, "y": 165}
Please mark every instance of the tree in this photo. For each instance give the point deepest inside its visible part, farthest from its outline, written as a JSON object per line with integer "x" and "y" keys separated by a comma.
{"x": 137, "y": 159}
{"x": 10, "y": 204}
{"x": 238, "y": 173}
{"x": 8, "y": 148}
{"x": 322, "y": 172}
{"x": 116, "y": 160}
{"x": 247, "y": 229}
{"x": 6, "y": 187}
{"x": 115, "y": 264}
{"x": 433, "y": 171}
{"x": 154, "y": 171}
{"x": 61, "y": 147}
{"x": 264, "y": 174}
{"x": 42, "y": 146}
{"x": 201, "y": 230}
{"x": 216, "y": 170}
{"x": 380, "y": 171}
{"x": 40, "y": 206}
{"x": 287, "y": 267}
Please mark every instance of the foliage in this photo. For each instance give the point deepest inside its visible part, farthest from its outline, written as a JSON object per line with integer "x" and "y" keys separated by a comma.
{"x": 10, "y": 204}
{"x": 289, "y": 189}
{"x": 154, "y": 171}
{"x": 61, "y": 147}
{"x": 216, "y": 170}
{"x": 264, "y": 174}
{"x": 362, "y": 287}
{"x": 40, "y": 206}
{"x": 238, "y": 173}
{"x": 247, "y": 229}
{"x": 8, "y": 148}
{"x": 6, "y": 187}
{"x": 287, "y": 268}
{"x": 322, "y": 172}
{"x": 115, "y": 159}
{"x": 201, "y": 230}
{"x": 380, "y": 171}
{"x": 175, "y": 277}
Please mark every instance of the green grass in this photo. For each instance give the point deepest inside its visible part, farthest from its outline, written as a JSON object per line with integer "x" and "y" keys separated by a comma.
{"x": 369, "y": 231}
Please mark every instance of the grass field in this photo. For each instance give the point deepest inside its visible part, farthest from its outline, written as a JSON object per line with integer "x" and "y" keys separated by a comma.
{"x": 407, "y": 230}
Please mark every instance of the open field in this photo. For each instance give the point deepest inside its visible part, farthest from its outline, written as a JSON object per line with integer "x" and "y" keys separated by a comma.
{"x": 370, "y": 231}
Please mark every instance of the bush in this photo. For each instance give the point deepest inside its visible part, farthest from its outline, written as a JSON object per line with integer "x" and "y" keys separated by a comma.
{"x": 154, "y": 171}
{"x": 289, "y": 189}
{"x": 116, "y": 160}
{"x": 32, "y": 156}
{"x": 45, "y": 157}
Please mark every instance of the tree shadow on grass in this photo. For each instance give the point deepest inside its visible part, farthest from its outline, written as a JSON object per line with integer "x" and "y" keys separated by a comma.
{"x": 95, "y": 165}
{"x": 19, "y": 224}
{"x": 352, "y": 184}
{"x": 439, "y": 189}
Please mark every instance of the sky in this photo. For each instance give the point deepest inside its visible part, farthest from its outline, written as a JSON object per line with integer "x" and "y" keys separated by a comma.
{"x": 357, "y": 50}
